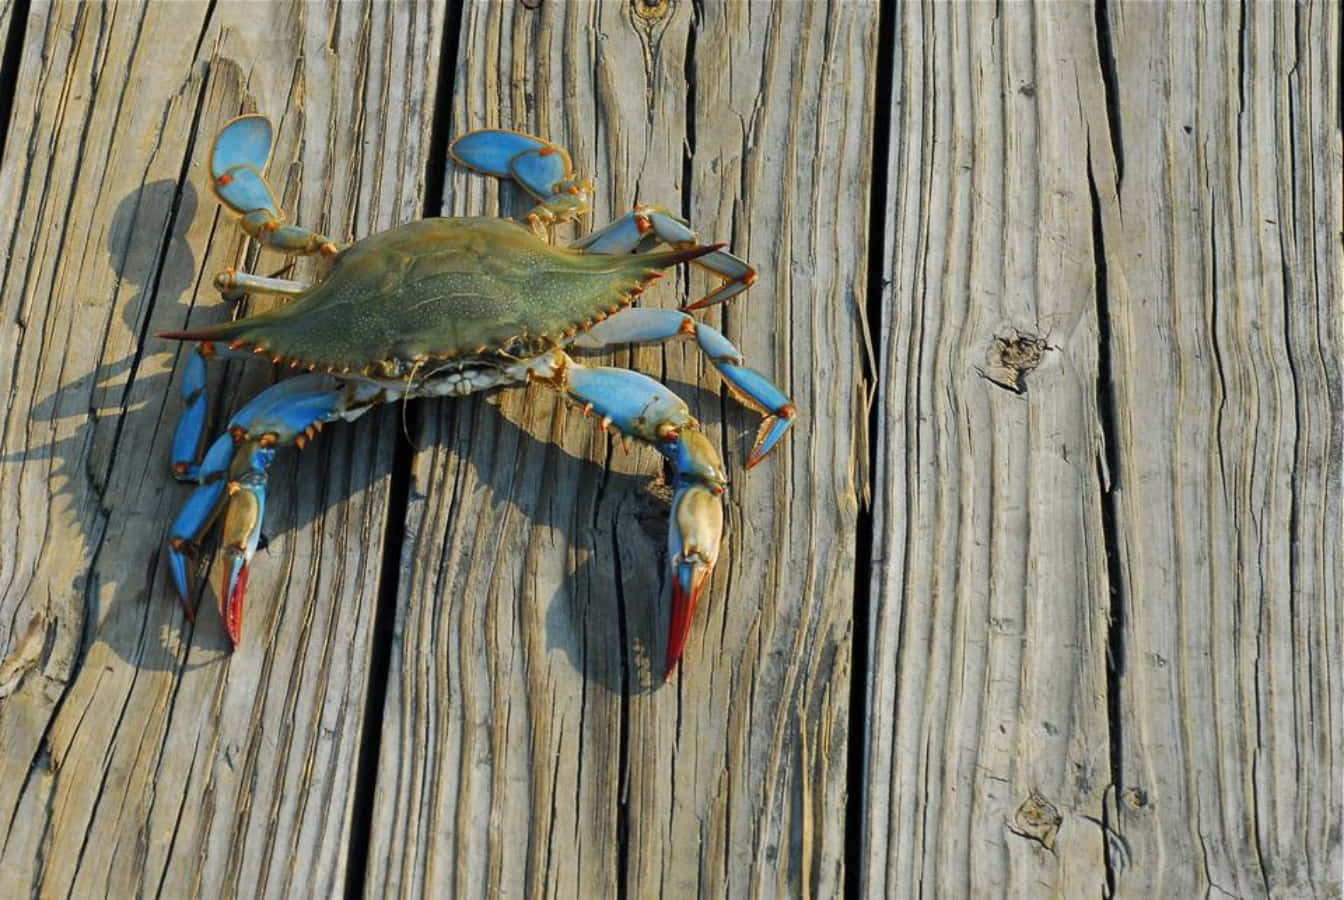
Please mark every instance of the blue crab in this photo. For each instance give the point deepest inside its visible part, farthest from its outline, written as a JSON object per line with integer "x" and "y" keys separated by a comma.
{"x": 448, "y": 307}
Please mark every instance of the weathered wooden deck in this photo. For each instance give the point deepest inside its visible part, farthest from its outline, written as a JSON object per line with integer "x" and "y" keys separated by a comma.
{"x": 1076, "y": 633}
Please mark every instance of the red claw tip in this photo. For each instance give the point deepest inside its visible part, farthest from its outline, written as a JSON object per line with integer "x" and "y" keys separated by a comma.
{"x": 679, "y": 629}
{"x": 233, "y": 610}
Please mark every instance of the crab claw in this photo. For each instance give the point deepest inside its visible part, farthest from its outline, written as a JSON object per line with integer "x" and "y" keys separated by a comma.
{"x": 695, "y": 457}
{"x": 242, "y": 532}
{"x": 692, "y": 549}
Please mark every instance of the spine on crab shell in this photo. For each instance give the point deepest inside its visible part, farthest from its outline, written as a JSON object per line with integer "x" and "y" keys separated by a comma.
{"x": 221, "y": 331}
{"x": 662, "y": 259}
{"x": 242, "y": 334}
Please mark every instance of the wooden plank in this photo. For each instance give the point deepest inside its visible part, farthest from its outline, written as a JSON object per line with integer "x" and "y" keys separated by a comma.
{"x": 10, "y": 27}
{"x": 1174, "y": 465}
{"x": 137, "y": 755}
{"x": 530, "y": 747}
{"x": 988, "y": 747}
{"x": 1222, "y": 225}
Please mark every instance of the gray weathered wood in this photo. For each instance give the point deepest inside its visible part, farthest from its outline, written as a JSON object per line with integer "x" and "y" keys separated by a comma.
{"x": 1225, "y": 276}
{"x": 989, "y": 616}
{"x": 137, "y": 755}
{"x": 530, "y": 747}
{"x": 1181, "y": 256}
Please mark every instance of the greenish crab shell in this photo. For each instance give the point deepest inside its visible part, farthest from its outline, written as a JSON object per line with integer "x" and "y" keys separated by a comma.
{"x": 441, "y": 289}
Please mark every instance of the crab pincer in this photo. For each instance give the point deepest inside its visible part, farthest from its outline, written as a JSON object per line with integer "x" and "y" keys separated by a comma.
{"x": 692, "y": 549}
{"x": 646, "y": 410}
{"x": 241, "y": 535}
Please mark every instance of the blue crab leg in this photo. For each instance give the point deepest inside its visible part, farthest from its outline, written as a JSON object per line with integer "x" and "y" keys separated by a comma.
{"x": 191, "y": 427}
{"x": 637, "y": 325}
{"x": 640, "y": 407}
{"x": 646, "y": 226}
{"x": 542, "y": 169}
{"x": 290, "y": 416}
{"x": 184, "y": 537}
{"x": 237, "y": 158}
{"x": 289, "y": 412}
{"x": 233, "y": 475}
{"x": 232, "y": 284}
{"x": 214, "y": 464}
{"x": 187, "y": 436}
{"x": 244, "y": 141}
{"x": 490, "y": 151}
{"x": 635, "y": 405}
{"x": 751, "y": 387}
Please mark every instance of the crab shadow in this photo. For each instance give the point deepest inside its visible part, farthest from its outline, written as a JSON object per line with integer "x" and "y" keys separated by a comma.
{"x": 604, "y": 615}
{"x": 592, "y": 555}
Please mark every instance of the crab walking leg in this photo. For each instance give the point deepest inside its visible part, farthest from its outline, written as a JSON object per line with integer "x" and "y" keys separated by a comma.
{"x": 637, "y": 325}
{"x": 232, "y": 285}
{"x": 233, "y": 476}
{"x": 237, "y": 158}
{"x": 191, "y": 427}
{"x": 184, "y": 538}
{"x": 647, "y": 226}
{"x": 639, "y": 407}
{"x": 751, "y": 387}
{"x": 187, "y": 435}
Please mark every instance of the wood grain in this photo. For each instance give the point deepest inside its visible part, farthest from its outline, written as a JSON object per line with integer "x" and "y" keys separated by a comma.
{"x": 139, "y": 756}
{"x": 1105, "y": 609}
{"x": 1222, "y": 227}
{"x": 987, "y": 716}
{"x": 530, "y": 747}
